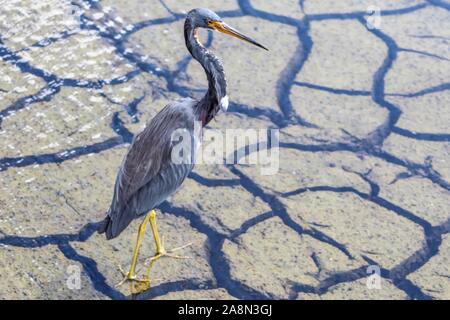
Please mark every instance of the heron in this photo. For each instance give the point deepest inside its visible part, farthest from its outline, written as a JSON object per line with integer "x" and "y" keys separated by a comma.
{"x": 147, "y": 175}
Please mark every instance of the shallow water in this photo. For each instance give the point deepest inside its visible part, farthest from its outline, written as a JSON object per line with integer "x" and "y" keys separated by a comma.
{"x": 363, "y": 180}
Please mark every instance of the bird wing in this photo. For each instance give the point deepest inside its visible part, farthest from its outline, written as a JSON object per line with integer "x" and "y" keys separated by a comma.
{"x": 151, "y": 149}
{"x": 147, "y": 175}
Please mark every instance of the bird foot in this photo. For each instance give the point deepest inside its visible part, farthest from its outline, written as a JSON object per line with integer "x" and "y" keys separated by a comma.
{"x": 167, "y": 253}
{"x": 136, "y": 285}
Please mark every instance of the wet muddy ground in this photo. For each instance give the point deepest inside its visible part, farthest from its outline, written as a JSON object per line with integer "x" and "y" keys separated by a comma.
{"x": 362, "y": 106}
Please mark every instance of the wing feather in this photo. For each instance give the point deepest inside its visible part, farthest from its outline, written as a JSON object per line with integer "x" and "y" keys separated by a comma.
{"x": 147, "y": 175}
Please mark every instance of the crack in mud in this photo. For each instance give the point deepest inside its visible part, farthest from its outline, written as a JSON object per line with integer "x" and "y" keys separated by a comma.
{"x": 286, "y": 116}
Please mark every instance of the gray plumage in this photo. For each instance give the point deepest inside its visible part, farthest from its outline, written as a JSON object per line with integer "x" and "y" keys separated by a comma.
{"x": 147, "y": 175}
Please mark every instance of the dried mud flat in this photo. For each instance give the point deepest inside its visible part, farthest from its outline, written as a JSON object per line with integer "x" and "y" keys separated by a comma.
{"x": 364, "y": 149}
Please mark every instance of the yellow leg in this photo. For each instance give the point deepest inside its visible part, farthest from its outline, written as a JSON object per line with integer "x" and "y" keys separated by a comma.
{"x": 152, "y": 220}
{"x": 131, "y": 275}
{"x": 160, "y": 250}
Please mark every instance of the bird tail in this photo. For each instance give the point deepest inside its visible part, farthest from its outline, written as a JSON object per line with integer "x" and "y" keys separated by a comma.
{"x": 106, "y": 227}
{"x": 113, "y": 227}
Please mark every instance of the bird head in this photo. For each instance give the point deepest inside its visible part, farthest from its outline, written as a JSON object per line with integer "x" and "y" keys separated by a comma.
{"x": 205, "y": 18}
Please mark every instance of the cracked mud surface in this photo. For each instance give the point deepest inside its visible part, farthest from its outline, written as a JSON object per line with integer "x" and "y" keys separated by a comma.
{"x": 364, "y": 173}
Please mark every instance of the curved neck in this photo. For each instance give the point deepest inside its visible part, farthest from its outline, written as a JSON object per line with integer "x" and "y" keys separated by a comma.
{"x": 216, "y": 96}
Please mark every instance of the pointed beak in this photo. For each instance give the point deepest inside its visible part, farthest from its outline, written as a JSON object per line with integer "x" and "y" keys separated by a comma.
{"x": 224, "y": 28}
